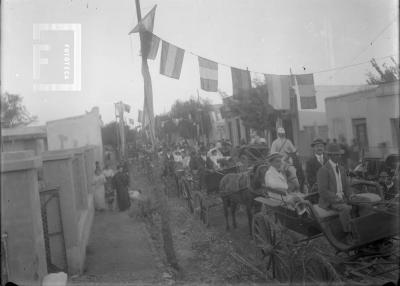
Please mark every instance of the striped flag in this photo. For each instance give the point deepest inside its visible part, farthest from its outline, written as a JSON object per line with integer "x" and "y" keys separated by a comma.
{"x": 240, "y": 80}
{"x": 278, "y": 91}
{"x": 171, "y": 60}
{"x": 208, "y": 75}
{"x": 150, "y": 45}
{"x": 304, "y": 85}
{"x": 147, "y": 22}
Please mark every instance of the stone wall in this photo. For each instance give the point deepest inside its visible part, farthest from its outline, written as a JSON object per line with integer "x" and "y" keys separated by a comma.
{"x": 21, "y": 220}
{"x": 67, "y": 169}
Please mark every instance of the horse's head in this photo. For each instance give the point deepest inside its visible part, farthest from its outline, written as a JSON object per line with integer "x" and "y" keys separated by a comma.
{"x": 258, "y": 174}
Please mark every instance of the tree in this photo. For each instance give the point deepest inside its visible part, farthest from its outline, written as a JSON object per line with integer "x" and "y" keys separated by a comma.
{"x": 192, "y": 113}
{"x": 253, "y": 108}
{"x": 109, "y": 134}
{"x": 13, "y": 112}
{"x": 386, "y": 73}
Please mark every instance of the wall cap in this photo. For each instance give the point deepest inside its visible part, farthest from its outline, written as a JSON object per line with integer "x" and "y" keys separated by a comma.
{"x": 22, "y": 164}
{"x": 57, "y": 155}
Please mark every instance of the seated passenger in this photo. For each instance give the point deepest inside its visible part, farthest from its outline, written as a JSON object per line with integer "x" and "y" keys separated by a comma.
{"x": 213, "y": 159}
{"x": 276, "y": 180}
{"x": 333, "y": 188}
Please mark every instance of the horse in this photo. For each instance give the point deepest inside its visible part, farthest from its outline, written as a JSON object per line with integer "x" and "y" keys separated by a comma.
{"x": 241, "y": 188}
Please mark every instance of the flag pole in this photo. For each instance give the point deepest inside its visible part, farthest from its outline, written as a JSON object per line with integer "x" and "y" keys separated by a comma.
{"x": 296, "y": 126}
{"x": 148, "y": 89}
{"x": 201, "y": 115}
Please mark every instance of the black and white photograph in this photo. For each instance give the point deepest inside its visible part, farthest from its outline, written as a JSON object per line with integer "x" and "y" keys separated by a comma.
{"x": 200, "y": 142}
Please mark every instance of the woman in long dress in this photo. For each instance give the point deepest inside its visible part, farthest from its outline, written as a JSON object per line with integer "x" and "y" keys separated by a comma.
{"x": 120, "y": 183}
{"x": 99, "y": 191}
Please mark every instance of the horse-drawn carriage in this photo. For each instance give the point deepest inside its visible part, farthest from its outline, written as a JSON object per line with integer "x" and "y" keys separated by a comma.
{"x": 286, "y": 239}
{"x": 200, "y": 189}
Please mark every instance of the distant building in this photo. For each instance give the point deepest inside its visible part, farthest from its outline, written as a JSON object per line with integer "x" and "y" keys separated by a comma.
{"x": 24, "y": 138}
{"x": 371, "y": 116}
{"x": 75, "y": 132}
{"x": 313, "y": 124}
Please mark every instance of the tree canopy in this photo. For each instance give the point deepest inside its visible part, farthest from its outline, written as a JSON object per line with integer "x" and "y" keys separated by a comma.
{"x": 384, "y": 74}
{"x": 13, "y": 112}
{"x": 253, "y": 108}
{"x": 185, "y": 117}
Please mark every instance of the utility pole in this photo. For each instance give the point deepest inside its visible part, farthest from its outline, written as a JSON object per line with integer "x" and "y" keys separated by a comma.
{"x": 117, "y": 128}
{"x": 148, "y": 89}
{"x": 201, "y": 116}
{"x": 119, "y": 106}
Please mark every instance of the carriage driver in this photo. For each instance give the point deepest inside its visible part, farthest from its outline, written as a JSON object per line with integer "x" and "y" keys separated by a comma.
{"x": 333, "y": 188}
{"x": 282, "y": 144}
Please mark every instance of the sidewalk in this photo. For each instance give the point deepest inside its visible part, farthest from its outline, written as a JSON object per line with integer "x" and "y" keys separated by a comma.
{"x": 119, "y": 251}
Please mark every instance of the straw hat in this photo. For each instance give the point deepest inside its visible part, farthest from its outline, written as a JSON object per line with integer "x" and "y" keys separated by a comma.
{"x": 334, "y": 148}
{"x": 318, "y": 141}
{"x": 273, "y": 156}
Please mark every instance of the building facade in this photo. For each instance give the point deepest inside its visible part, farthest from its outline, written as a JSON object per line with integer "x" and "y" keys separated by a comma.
{"x": 369, "y": 116}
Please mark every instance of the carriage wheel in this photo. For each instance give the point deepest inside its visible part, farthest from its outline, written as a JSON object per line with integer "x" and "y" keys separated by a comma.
{"x": 186, "y": 195}
{"x": 205, "y": 208}
{"x": 319, "y": 269}
{"x": 273, "y": 252}
{"x": 197, "y": 203}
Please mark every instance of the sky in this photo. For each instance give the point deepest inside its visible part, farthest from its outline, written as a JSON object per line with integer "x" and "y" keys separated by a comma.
{"x": 265, "y": 36}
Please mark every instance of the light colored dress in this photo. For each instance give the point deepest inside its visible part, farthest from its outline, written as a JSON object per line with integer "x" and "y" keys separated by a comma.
{"x": 99, "y": 192}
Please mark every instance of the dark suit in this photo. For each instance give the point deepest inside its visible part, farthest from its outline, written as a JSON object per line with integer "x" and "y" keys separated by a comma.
{"x": 312, "y": 167}
{"x": 328, "y": 199}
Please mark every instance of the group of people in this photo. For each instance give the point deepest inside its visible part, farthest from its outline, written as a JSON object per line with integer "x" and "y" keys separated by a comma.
{"x": 213, "y": 157}
{"x": 325, "y": 172}
{"x": 110, "y": 184}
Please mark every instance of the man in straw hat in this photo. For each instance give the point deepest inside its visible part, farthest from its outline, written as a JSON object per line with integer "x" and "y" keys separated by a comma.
{"x": 333, "y": 188}
{"x": 316, "y": 161}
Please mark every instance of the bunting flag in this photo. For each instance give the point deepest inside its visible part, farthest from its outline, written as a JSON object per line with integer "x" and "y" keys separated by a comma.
{"x": 171, "y": 60}
{"x": 140, "y": 116}
{"x": 240, "y": 80}
{"x": 150, "y": 45}
{"x": 208, "y": 75}
{"x": 147, "y": 22}
{"x": 278, "y": 91}
{"x": 304, "y": 86}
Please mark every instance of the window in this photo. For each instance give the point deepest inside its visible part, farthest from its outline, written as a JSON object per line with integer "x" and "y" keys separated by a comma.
{"x": 360, "y": 132}
{"x": 339, "y": 128}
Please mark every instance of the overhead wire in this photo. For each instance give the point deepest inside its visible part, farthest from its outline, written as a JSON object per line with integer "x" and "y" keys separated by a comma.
{"x": 253, "y": 71}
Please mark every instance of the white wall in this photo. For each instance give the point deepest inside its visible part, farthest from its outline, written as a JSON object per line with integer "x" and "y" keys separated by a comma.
{"x": 378, "y": 106}
{"x": 76, "y": 132}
